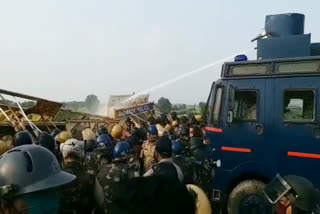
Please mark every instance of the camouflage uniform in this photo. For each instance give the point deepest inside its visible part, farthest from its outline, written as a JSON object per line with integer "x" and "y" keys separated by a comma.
{"x": 203, "y": 176}
{"x": 111, "y": 174}
{"x": 187, "y": 165}
{"x": 78, "y": 196}
{"x": 94, "y": 160}
{"x": 195, "y": 172}
{"x": 186, "y": 144}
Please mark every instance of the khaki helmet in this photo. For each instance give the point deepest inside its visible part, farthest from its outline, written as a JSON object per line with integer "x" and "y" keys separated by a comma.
{"x": 175, "y": 123}
{"x": 8, "y": 139}
{"x": 116, "y": 131}
{"x": 4, "y": 147}
{"x": 168, "y": 127}
{"x": 198, "y": 117}
{"x": 203, "y": 203}
{"x": 88, "y": 134}
{"x": 162, "y": 132}
{"x": 159, "y": 126}
{"x": 63, "y": 137}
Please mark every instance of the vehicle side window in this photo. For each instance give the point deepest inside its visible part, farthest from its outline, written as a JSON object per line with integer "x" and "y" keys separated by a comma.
{"x": 217, "y": 105}
{"x": 245, "y": 105}
{"x": 299, "y": 105}
{"x": 210, "y": 106}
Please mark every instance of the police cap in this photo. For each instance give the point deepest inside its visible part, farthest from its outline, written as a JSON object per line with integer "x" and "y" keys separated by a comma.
{"x": 164, "y": 146}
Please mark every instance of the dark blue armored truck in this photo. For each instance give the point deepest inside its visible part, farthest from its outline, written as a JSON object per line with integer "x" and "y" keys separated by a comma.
{"x": 263, "y": 116}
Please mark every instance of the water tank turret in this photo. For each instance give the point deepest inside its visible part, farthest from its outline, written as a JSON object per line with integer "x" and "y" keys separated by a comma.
{"x": 285, "y": 24}
{"x": 284, "y": 37}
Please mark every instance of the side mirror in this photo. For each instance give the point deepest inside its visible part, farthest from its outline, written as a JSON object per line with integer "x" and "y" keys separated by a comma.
{"x": 230, "y": 117}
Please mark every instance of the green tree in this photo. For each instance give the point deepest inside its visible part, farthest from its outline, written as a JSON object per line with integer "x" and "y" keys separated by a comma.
{"x": 202, "y": 107}
{"x": 164, "y": 105}
{"x": 92, "y": 103}
{"x": 178, "y": 107}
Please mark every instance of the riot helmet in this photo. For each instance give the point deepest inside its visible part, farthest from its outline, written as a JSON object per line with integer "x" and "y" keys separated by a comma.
{"x": 202, "y": 201}
{"x": 122, "y": 150}
{"x": 47, "y": 141}
{"x": 30, "y": 168}
{"x": 4, "y": 146}
{"x": 152, "y": 130}
{"x": 22, "y": 138}
{"x": 116, "y": 131}
{"x": 175, "y": 123}
{"x": 55, "y": 132}
{"x": 198, "y": 118}
{"x": 105, "y": 141}
{"x": 168, "y": 127}
{"x": 63, "y": 136}
{"x": 297, "y": 189}
{"x": 177, "y": 148}
{"x": 102, "y": 130}
{"x": 90, "y": 145}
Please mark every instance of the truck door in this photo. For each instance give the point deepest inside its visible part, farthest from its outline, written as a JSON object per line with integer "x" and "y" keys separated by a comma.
{"x": 297, "y": 128}
{"x": 244, "y": 132}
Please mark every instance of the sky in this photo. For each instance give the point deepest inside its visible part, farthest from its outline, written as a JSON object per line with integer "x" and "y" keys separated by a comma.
{"x": 64, "y": 50}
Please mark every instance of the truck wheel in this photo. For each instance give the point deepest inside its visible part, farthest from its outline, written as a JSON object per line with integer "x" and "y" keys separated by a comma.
{"x": 248, "y": 198}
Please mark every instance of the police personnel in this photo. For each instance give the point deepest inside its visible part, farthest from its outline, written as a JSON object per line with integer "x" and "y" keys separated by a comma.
{"x": 154, "y": 195}
{"x": 293, "y": 194}
{"x": 197, "y": 147}
{"x": 165, "y": 166}
{"x": 111, "y": 174}
{"x": 116, "y": 132}
{"x": 78, "y": 196}
{"x": 187, "y": 164}
{"x": 29, "y": 178}
{"x": 148, "y": 148}
{"x": 183, "y": 137}
{"x": 47, "y": 141}
{"x": 101, "y": 155}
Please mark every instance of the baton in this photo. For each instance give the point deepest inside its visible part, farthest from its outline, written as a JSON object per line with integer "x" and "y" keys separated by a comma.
{"x": 13, "y": 113}
{"x": 6, "y": 116}
{"x": 53, "y": 123}
{"x": 45, "y": 117}
{"x": 138, "y": 117}
{"x": 25, "y": 116}
{"x": 45, "y": 123}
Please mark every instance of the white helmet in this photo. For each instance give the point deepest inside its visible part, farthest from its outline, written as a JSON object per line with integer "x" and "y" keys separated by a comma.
{"x": 72, "y": 147}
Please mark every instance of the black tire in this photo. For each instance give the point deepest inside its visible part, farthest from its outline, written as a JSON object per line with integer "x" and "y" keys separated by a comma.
{"x": 248, "y": 198}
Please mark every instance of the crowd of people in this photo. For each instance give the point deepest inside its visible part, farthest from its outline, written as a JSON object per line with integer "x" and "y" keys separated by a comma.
{"x": 163, "y": 166}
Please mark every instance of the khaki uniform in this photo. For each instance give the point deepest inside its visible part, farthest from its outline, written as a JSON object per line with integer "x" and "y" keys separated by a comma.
{"x": 148, "y": 155}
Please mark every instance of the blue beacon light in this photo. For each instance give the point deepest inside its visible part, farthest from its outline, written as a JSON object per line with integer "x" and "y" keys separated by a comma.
{"x": 240, "y": 58}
